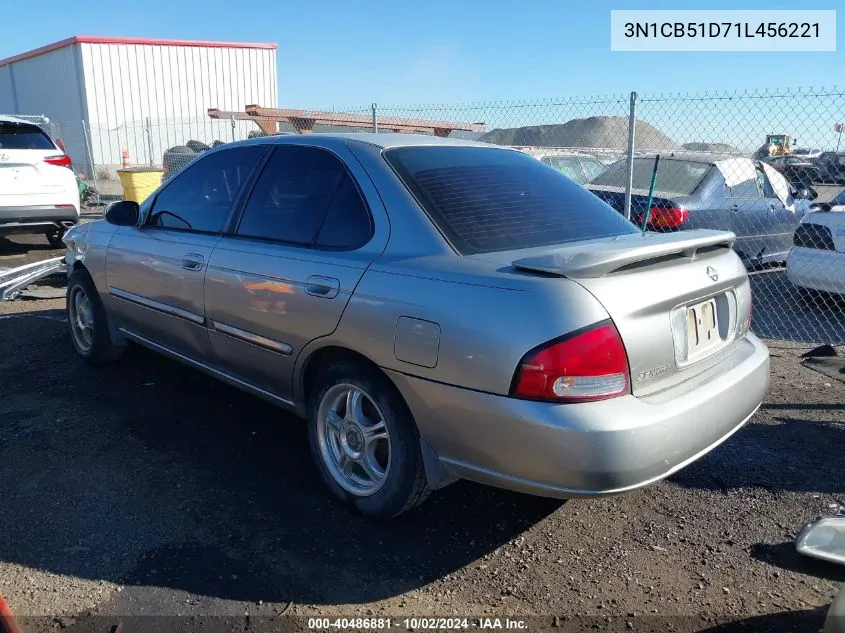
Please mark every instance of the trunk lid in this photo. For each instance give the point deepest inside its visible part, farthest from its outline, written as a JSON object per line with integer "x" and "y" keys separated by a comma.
{"x": 639, "y": 199}
{"x": 679, "y": 300}
{"x": 24, "y": 172}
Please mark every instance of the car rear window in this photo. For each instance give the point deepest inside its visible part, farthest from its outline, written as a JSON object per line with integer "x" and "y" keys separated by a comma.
{"x": 490, "y": 199}
{"x": 674, "y": 177}
{"x": 23, "y": 136}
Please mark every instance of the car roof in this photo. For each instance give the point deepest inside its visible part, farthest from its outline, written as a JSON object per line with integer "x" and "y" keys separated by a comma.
{"x": 693, "y": 157}
{"x": 385, "y": 141}
{"x": 6, "y": 118}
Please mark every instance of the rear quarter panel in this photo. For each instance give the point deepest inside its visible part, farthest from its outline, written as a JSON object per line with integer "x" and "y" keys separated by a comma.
{"x": 487, "y": 323}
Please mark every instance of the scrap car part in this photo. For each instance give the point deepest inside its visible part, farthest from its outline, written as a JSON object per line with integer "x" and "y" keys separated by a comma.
{"x": 14, "y": 280}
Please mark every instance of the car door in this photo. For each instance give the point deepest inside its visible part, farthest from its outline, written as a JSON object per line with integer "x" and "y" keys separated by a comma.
{"x": 286, "y": 271}
{"x": 748, "y": 214}
{"x": 156, "y": 272}
{"x": 782, "y": 215}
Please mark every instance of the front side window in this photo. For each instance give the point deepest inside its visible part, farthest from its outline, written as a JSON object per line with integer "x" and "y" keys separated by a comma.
{"x": 305, "y": 196}
{"x": 746, "y": 190}
{"x": 763, "y": 184}
{"x": 592, "y": 167}
{"x": 567, "y": 165}
{"x": 201, "y": 197}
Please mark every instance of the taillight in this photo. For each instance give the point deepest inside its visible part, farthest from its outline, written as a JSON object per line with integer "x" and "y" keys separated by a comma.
{"x": 587, "y": 366}
{"x": 664, "y": 217}
{"x": 61, "y": 160}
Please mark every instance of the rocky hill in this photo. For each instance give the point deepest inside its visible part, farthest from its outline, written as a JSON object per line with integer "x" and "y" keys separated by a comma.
{"x": 597, "y": 131}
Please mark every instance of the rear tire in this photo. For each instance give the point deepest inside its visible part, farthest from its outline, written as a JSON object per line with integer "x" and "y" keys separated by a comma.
{"x": 88, "y": 322}
{"x": 55, "y": 238}
{"x": 381, "y": 479}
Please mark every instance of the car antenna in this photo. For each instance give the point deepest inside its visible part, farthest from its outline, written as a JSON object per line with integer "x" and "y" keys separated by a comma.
{"x": 650, "y": 193}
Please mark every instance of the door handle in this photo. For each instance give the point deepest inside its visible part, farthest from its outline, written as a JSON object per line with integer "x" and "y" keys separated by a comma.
{"x": 324, "y": 287}
{"x": 192, "y": 261}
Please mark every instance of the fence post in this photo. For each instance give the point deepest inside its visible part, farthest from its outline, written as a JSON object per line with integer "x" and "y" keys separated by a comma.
{"x": 375, "y": 120}
{"x": 632, "y": 123}
{"x": 85, "y": 135}
{"x": 233, "y": 129}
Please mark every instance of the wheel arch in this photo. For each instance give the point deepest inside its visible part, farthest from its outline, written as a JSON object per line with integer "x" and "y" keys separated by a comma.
{"x": 436, "y": 474}
{"x": 78, "y": 266}
{"x": 315, "y": 359}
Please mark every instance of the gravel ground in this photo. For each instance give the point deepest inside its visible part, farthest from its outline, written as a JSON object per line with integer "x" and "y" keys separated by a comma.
{"x": 148, "y": 488}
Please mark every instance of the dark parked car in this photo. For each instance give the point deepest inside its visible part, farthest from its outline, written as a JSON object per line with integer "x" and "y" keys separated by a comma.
{"x": 831, "y": 168}
{"x": 798, "y": 170}
{"x": 695, "y": 191}
{"x": 827, "y": 169}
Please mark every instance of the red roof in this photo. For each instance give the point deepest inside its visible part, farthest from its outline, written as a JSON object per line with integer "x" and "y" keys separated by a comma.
{"x": 87, "y": 39}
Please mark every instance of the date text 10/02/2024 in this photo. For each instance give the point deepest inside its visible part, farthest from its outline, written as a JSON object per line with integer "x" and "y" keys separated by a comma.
{"x": 489, "y": 623}
{"x": 721, "y": 29}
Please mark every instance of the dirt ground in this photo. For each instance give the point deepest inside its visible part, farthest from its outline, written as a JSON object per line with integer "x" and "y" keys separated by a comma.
{"x": 147, "y": 488}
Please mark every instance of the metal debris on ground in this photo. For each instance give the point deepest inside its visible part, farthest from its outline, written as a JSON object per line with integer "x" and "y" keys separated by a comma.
{"x": 13, "y": 281}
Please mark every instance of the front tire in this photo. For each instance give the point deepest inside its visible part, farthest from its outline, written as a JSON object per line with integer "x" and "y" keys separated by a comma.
{"x": 364, "y": 441}
{"x": 87, "y": 320}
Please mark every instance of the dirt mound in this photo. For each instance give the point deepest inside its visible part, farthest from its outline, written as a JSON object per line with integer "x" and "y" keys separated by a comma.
{"x": 596, "y": 131}
{"x": 716, "y": 148}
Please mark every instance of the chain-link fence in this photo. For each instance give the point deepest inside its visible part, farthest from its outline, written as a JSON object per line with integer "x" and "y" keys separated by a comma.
{"x": 767, "y": 166}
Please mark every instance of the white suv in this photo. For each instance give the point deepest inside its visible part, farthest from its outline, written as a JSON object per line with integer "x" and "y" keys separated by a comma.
{"x": 38, "y": 189}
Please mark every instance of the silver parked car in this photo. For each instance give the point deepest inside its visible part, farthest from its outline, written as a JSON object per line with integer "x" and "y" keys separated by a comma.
{"x": 712, "y": 191}
{"x": 435, "y": 308}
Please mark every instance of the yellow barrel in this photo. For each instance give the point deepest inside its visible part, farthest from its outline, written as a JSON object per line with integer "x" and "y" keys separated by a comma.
{"x": 139, "y": 182}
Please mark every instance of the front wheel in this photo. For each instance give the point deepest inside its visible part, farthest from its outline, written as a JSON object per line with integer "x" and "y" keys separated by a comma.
{"x": 89, "y": 330}
{"x": 364, "y": 441}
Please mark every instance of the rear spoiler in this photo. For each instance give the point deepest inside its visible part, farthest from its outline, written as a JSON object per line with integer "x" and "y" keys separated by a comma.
{"x": 596, "y": 258}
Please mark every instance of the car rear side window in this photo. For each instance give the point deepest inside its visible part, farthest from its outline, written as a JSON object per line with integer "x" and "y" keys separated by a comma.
{"x": 23, "y": 136}
{"x": 348, "y": 223}
{"x": 490, "y": 199}
{"x": 305, "y": 196}
{"x": 201, "y": 197}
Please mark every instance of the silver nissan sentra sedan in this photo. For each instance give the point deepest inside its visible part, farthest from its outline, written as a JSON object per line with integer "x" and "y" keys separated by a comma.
{"x": 435, "y": 308}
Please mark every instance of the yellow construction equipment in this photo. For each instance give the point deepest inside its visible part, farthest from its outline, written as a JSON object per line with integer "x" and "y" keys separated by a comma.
{"x": 778, "y": 145}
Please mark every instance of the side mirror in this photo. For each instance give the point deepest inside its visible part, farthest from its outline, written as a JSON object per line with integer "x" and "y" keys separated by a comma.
{"x": 123, "y": 213}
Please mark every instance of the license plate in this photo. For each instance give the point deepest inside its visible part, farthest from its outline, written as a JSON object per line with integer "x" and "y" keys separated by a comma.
{"x": 14, "y": 177}
{"x": 702, "y": 328}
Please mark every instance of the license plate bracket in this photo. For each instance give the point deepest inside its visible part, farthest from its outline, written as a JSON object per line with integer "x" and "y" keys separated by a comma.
{"x": 702, "y": 321}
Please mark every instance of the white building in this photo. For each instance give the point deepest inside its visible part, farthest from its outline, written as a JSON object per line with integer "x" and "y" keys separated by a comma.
{"x": 105, "y": 95}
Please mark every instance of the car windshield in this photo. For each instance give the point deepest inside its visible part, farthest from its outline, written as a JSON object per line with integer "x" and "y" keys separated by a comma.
{"x": 674, "y": 177}
{"x": 592, "y": 167}
{"x": 23, "y": 136}
{"x": 489, "y": 199}
{"x": 567, "y": 165}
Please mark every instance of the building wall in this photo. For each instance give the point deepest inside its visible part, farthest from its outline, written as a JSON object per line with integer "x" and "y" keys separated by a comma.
{"x": 144, "y": 98}
{"x": 8, "y": 103}
{"x": 49, "y": 84}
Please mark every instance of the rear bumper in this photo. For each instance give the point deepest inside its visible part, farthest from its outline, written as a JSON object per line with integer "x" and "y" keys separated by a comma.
{"x": 816, "y": 269}
{"x": 589, "y": 449}
{"x": 36, "y": 219}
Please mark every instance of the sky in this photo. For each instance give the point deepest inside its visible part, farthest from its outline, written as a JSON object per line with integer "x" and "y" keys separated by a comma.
{"x": 336, "y": 54}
